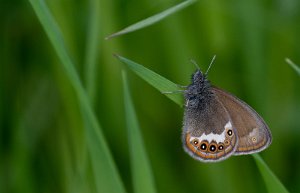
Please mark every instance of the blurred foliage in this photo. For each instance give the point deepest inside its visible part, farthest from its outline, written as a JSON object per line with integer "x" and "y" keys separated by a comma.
{"x": 43, "y": 146}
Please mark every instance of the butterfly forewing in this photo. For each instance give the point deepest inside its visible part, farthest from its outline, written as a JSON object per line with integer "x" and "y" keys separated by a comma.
{"x": 253, "y": 133}
{"x": 208, "y": 134}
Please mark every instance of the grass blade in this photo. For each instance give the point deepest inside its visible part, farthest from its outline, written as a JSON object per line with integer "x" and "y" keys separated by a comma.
{"x": 157, "y": 81}
{"x": 106, "y": 174}
{"x": 92, "y": 48}
{"x": 153, "y": 19}
{"x": 272, "y": 182}
{"x": 293, "y": 65}
{"x": 142, "y": 176}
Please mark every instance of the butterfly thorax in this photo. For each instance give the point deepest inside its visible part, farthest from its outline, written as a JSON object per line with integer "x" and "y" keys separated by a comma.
{"x": 198, "y": 93}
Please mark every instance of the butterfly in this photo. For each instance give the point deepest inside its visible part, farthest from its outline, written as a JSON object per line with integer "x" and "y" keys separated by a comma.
{"x": 217, "y": 124}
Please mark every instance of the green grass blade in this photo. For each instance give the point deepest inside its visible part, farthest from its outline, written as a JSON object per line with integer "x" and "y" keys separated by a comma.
{"x": 293, "y": 65}
{"x": 272, "y": 182}
{"x": 153, "y": 19}
{"x": 92, "y": 48}
{"x": 142, "y": 176}
{"x": 160, "y": 83}
{"x": 106, "y": 174}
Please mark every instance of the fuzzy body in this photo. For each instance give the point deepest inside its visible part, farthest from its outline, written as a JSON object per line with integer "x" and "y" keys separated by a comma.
{"x": 198, "y": 93}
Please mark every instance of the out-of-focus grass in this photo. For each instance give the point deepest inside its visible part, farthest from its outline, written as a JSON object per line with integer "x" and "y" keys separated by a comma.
{"x": 106, "y": 175}
{"x": 142, "y": 176}
{"x": 43, "y": 147}
{"x": 93, "y": 43}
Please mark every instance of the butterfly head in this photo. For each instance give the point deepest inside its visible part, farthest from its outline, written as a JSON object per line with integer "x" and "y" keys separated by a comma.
{"x": 198, "y": 77}
{"x": 199, "y": 93}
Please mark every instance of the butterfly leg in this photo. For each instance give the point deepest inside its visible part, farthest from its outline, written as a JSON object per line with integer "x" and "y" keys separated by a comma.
{"x": 173, "y": 92}
{"x": 181, "y": 86}
{"x": 187, "y": 103}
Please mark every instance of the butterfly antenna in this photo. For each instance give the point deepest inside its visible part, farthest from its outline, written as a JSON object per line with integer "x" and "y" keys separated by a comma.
{"x": 195, "y": 63}
{"x": 212, "y": 61}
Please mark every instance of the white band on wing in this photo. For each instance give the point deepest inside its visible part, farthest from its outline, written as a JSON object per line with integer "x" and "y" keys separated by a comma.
{"x": 216, "y": 137}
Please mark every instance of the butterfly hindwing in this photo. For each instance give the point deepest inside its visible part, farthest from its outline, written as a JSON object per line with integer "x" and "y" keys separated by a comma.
{"x": 253, "y": 133}
{"x": 208, "y": 134}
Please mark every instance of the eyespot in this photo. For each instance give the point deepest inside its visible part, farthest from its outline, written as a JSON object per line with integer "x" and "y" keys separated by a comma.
{"x": 212, "y": 148}
{"x": 195, "y": 142}
{"x": 226, "y": 142}
{"x": 229, "y": 132}
{"x": 203, "y": 146}
{"x": 220, "y": 147}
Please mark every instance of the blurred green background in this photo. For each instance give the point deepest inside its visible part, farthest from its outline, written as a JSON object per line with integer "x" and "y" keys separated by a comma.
{"x": 42, "y": 139}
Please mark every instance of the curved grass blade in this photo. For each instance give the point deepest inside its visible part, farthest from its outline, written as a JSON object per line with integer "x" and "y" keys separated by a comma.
{"x": 153, "y": 19}
{"x": 142, "y": 176}
{"x": 293, "y": 65}
{"x": 105, "y": 171}
{"x": 157, "y": 81}
{"x": 272, "y": 182}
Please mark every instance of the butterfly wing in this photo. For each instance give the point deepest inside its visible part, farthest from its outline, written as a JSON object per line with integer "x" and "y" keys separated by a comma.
{"x": 253, "y": 133}
{"x": 208, "y": 134}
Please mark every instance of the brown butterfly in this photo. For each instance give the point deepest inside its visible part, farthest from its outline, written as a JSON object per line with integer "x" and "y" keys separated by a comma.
{"x": 217, "y": 124}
